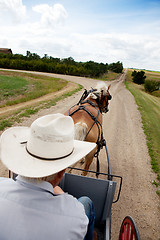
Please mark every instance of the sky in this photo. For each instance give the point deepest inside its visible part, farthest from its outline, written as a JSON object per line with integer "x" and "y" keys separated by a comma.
{"x": 104, "y": 31}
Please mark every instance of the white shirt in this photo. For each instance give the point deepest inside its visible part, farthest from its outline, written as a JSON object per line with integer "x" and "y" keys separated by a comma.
{"x": 31, "y": 211}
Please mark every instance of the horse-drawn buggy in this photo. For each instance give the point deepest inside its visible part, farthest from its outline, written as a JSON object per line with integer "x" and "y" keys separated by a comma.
{"x": 87, "y": 116}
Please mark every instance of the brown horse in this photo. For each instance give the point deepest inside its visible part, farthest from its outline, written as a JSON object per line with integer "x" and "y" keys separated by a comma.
{"x": 87, "y": 116}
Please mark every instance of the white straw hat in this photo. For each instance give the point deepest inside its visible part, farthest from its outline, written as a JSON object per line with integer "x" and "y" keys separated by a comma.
{"x": 45, "y": 148}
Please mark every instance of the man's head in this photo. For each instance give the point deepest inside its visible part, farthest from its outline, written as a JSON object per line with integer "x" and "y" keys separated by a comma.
{"x": 46, "y": 148}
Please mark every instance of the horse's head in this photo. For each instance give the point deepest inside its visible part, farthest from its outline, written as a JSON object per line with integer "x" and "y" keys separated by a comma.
{"x": 103, "y": 102}
{"x": 102, "y": 96}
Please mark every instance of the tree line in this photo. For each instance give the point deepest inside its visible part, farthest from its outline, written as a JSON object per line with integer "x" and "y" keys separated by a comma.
{"x": 33, "y": 62}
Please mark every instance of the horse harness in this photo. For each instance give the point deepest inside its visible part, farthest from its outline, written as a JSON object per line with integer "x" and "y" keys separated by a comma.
{"x": 100, "y": 140}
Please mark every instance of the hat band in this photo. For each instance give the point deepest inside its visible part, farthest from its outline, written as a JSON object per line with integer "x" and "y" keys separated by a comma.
{"x": 49, "y": 158}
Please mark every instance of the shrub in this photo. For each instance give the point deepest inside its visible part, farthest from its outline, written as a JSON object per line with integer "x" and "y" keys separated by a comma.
{"x": 151, "y": 85}
{"x": 138, "y": 77}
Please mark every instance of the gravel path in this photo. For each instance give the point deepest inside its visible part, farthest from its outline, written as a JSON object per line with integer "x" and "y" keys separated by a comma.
{"x": 128, "y": 153}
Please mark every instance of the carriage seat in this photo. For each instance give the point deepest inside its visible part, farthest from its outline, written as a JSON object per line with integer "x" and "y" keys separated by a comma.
{"x": 100, "y": 191}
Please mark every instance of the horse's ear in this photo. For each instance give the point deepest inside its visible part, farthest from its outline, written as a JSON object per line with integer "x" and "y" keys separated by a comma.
{"x": 109, "y": 86}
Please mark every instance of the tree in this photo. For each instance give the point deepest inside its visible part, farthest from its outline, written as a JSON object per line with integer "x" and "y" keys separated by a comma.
{"x": 32, "y": 56}
{"x": 28, "y": 54}
{"x": 138, "y": 77}
{"x": 68, "y": 61}
{"x": 116, "y": 67}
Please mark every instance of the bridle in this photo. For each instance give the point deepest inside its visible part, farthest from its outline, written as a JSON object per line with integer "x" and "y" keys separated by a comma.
{"x": 100, "y": 101}
{"x": 100, "y": 109}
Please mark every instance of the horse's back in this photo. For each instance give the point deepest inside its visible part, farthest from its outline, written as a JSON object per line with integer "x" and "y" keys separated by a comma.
{"x": 86, "y": 117}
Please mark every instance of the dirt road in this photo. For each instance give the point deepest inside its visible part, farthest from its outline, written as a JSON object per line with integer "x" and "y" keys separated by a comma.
{"x": 128, "y": 155}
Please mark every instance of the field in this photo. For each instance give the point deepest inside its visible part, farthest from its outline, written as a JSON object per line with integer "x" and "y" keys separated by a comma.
{"x": 17, "y": 88}
{"x": 153, "y": 75}
{"x": 149, "y": 107}
{"x": 21, "y": 87}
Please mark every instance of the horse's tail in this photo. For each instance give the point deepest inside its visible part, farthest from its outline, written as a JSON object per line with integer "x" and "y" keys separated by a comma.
{"x": 80, "y": 131}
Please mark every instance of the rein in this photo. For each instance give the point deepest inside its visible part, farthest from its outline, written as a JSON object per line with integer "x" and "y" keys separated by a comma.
{"x": 100, "y": 139}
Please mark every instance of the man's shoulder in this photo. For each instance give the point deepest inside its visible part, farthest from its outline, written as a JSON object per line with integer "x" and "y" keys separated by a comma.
{"x": 5, "y": 180}
{"x": 6, "y": 183}
{"x": 70, "y": 200}
{"x": 71, "y": 206}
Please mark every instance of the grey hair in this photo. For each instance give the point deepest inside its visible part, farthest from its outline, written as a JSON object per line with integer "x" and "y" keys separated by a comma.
{"x": 38, "y": 180}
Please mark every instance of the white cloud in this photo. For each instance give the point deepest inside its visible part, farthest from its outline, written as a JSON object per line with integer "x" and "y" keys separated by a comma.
{"x": 131, "y": 49}
{"x": 43, "y": 37}
{"x": 14, "y": 9}
{"x": 51, "y": 15}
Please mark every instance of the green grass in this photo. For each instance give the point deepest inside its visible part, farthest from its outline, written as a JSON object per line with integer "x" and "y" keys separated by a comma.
{"x": 28, "y": 112}
{"x": 158, "y": 192}
{"x": 5, "y": 123}
{"x": 11, "y": 86}
{"x": 12, "y": 83}
{"x": 149, "y": 107}
{"x": 19, "y": 87}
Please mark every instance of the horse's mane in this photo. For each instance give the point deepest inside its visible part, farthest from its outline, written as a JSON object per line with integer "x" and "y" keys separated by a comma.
{"x": 99, "y": 88}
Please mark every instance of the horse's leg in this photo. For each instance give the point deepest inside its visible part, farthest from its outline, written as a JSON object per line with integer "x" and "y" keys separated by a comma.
{"x": 82, "y": 160}
{"x": 88, "y": 161}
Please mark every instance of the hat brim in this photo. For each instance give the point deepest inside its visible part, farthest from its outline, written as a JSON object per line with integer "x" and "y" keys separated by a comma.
{"x": 16, "y": 158}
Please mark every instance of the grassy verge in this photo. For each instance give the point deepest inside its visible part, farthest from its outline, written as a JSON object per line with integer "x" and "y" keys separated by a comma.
{"x": 149, "y": 107}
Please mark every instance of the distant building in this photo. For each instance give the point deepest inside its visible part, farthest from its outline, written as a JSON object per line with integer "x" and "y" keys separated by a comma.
{"x": 6, "y": 50}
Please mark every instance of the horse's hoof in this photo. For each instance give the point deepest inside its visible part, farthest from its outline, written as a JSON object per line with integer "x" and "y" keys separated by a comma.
{"x": 84, "y": 174}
